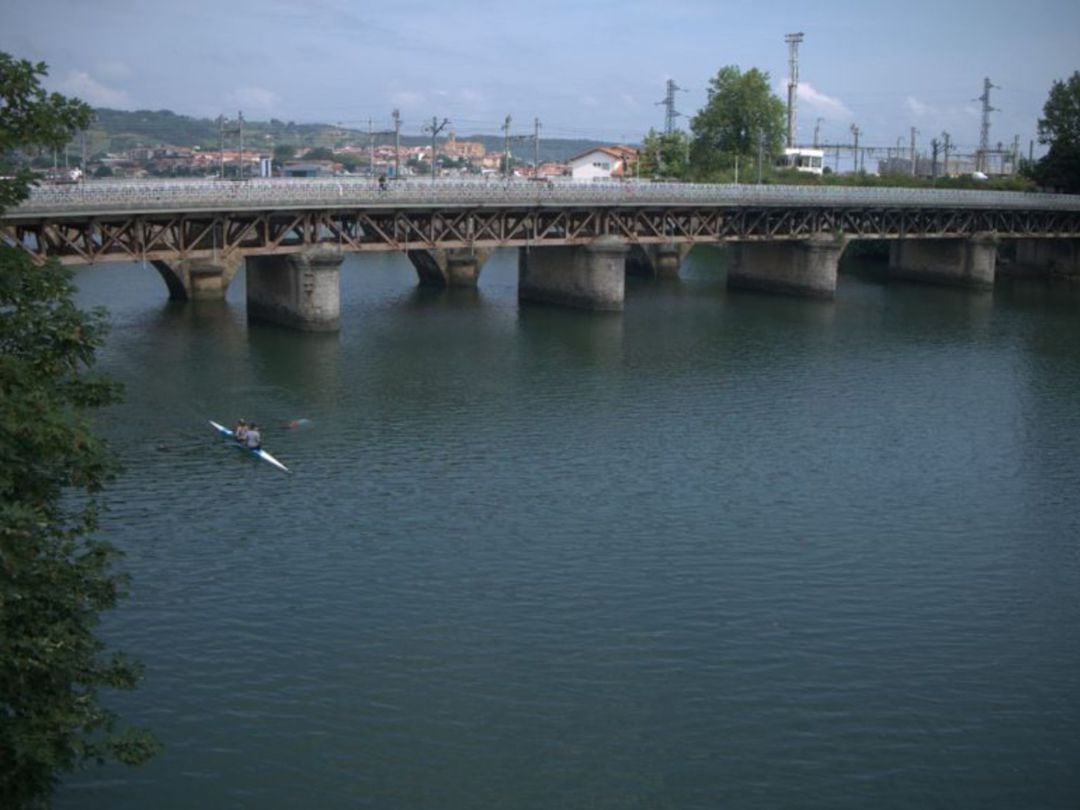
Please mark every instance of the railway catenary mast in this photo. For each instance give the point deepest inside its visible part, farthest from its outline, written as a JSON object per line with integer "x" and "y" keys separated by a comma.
{"x": 793, "y": 41}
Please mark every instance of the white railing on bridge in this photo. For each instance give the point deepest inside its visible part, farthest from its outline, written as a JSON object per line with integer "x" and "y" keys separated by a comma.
{"x": 103, "y": 197}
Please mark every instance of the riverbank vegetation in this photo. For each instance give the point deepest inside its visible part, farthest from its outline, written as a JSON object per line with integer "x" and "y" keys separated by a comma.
{"x": 57, "y": 575}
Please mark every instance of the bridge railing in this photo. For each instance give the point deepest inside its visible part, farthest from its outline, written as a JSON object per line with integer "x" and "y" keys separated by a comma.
{"x": 136, "y": 196}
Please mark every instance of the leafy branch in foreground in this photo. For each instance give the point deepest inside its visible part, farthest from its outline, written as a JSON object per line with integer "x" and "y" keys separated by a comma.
{"x": 56, "y": 576}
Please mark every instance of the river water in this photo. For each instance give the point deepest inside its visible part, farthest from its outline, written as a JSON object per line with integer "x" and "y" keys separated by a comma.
{"x": 719, "y": 550}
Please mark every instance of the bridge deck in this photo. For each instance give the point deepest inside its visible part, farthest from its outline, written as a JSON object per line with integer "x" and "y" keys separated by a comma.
{"x": 105, "y": 198}
{"x": 177, "y": 220}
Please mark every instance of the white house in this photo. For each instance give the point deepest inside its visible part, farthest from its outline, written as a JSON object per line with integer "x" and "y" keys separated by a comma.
{"x": 603, "y": 163}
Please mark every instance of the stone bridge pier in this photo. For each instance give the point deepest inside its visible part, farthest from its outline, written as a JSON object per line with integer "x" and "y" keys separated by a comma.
{"x": 591, "y": 276}
{"x": 969, "y": 262}
{"x": 1057, "y": 257}
{"x": 199, "y": 279}
{"x": 300, "y": 290}
{"x": 449, "y": 268}
{"x": 806, "y": 267}
{"x": 657, "y": 261}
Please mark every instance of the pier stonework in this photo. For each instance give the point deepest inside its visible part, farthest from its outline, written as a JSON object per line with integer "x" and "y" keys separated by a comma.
{"x": 455, "y": 267}
{"x": 591, "y": 276}
{"x": 806, "y": 267}
{"x": 657, "y": 261}
{"x": 199, "y": 279}
{"x": 1055, "y": 257}
{"x": 301, "y": 290}
{"x": 968, "y": 262}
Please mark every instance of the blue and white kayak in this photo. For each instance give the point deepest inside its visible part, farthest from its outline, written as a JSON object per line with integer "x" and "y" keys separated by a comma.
{"x": 260, "y": 453}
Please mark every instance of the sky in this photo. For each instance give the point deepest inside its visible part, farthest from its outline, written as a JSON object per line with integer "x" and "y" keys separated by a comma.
{"x": 585, "y": 68}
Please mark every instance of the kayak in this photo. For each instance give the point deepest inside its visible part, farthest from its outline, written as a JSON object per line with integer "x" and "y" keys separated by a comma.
{"x": 260, "y": 453}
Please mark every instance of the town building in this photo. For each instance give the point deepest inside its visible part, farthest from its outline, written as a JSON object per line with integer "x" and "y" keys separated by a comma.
{"x": 603, "y": 163}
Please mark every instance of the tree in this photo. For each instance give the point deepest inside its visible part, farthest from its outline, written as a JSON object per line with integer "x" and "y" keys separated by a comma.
{"x": 56, "y": 577}
{"x": 1060, "y": 128}
{"x": 319, "y": 153}
{"x": 664, "y": 154}
{"x": 283, "y": 152}
{"x": 741, "y": 118}
{"x": 30, "y": 118}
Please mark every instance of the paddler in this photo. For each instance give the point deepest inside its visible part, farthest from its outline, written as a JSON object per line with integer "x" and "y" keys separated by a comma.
{"x": 241, "y": 430}
{"x": 252, "y": 438}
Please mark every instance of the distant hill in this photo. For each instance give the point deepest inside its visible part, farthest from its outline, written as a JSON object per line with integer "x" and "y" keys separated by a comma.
{"x": 120, "y": 130}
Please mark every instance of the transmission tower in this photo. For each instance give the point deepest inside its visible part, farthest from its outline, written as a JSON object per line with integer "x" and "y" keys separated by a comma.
{"x": 670, "y": 113}
{"x": 984, "y": 131}
{"x": 793, "y": 41}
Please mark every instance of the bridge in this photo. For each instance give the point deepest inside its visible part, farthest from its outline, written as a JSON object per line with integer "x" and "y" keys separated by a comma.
{"x": 575, "y": 240}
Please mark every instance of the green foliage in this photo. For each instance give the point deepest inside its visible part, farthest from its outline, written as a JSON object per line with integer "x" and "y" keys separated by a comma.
{"x": 350, "y": 160}
{"x": 1060, "y": 128}
{"x": 283, "y": 152}
{"x": 320, "y": 153}
{"x": 30, "y": 118}
{"x": 55, "y": 575}
{"x": 665, "y": 154}
{"x": 740, "y": 113}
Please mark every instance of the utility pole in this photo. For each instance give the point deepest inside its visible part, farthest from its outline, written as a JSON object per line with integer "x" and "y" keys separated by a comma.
{"x": 221, "y": 146}
{"x": 947, "y": 145}
{"x": 934, "y": 144}
{"x": 817, "y": 131}
{"x": 240, "y": 124}
{"x": 984, "y": 129}
{"x": 670, "y": 113}
{"x": 855, "y": 131}
{"x": 536, "y": 148}
{"x": 914, "y": 132}
{"x": 435, "y": 129}
{"x": 760, "y": 153}
{"x": 371, "y": 148}
{"x": 792, "y": 41}
{"x": 506, "y": 150}
{"x": 397, "y": 144}
{"x": 1016, "y": 155}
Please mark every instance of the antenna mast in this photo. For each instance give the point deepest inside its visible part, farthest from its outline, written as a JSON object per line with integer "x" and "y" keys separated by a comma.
{"x": 793, "y": 41}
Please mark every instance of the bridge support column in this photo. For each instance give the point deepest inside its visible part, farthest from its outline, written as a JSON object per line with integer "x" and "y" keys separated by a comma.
{"x": 805, "y": 268}
{"x": 1055, "y": 257}
{"x": 449, "y": 268}
{"x": 589, "y": 276}
{"x": 958, "y": 262}
{"x": 656, "y": 261}
{"x": 199, "y": 279}
{"x": 301, "y": 290}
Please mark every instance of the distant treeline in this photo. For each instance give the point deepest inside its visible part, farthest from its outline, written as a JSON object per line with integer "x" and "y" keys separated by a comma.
{"x": 120, "y": 130}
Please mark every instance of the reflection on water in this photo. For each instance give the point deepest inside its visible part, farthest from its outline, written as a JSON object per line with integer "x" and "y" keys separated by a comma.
{"x": 719, "y": 550}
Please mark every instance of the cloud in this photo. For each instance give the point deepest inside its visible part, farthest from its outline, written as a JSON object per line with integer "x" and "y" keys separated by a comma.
{"x": 473, "y": 98}
{"x": 82, "y": 85}
{"x": 918, "y": 108}
{"x": 407, "y": 98}
{"x": 256, "y": 99}
{"x": 113, "y": 70}
{"x": 822, "y": 103}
